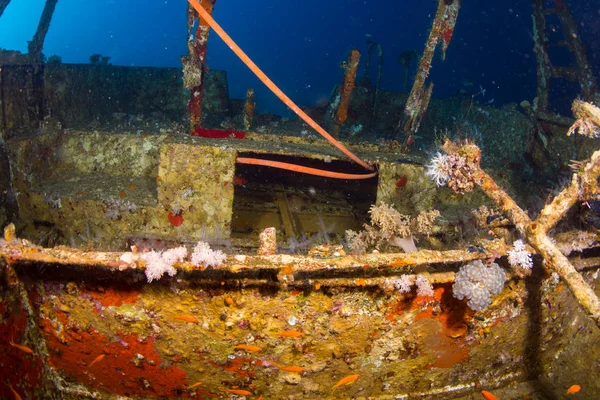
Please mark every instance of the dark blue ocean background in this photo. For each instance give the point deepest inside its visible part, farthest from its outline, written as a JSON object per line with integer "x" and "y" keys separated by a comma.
{"x": 301, "y": 44}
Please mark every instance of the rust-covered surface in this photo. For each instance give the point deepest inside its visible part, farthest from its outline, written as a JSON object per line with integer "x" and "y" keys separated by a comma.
{"x": 97, "y": 331}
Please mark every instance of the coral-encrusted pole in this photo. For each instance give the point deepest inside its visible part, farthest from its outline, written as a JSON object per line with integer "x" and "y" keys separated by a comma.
{"x": 268, "y": 242}
{"x": 584, "y": 181}
{"x": 249, "y": 107}
{"x": 194, "y": 62}
{"x": 418, "y": 100}
{"x": 345, "y": 91}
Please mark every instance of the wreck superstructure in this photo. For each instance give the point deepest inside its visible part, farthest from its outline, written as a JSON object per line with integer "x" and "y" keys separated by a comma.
{"x": 91, "y": 186}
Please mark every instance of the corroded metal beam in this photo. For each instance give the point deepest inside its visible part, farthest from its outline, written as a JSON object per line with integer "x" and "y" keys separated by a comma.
{"x": 582, "y": 70}
{"x": 540, "y": 49}
{"x": 418, "y": 100}
{"x": 346, "y": 88}
{"x": 36, "y": 45}
{"x": 194, "y": 64}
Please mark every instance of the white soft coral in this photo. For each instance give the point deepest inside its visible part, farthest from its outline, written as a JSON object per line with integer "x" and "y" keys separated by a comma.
{"x": 403, "y": 284}
{"x": 519, "y": 256}
{"x": 204, "y": 255}
{"x": 424, "y": 287}
{"x": 160, "y": 262}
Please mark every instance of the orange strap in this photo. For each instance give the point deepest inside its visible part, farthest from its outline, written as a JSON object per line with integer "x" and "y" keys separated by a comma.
{"x": 265, "y": 79}
{"x": 302, "y": 169}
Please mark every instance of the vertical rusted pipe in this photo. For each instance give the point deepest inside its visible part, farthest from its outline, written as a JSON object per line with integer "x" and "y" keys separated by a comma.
{"x": 346, "y": 91}
{"x": 249, "y": 107}
{"x": 194, "y": 63}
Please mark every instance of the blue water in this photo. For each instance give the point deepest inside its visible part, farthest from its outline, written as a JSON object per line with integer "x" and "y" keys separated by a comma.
{"x": 301, "y": 44}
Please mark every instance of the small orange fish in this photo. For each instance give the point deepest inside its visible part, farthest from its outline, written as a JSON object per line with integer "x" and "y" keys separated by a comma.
{"x": 488, "y": 395}
{"x": 289, "y": 334}
{"x": 248, "y": 347}
{"x": 96, "y": 360}
{"x": 14, "y": 392}
{"x": 290, "y": 368}
{"x": 186, "y": 318}
{"x": 240, "y": 392}
{"x": 346, "y": 381}
{"x": 574, "y": 389}
{"x": 360, "y": 282}
{"x": 21, "y": 347}
{"x": 195, "y": 385}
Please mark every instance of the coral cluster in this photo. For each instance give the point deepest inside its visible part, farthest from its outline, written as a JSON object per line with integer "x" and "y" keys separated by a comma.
{"x": 477, "y": 283}
{"x": 404, "y": 284}
{"x": 390, "y": 228}
{"x": 587, "y": 117}
{"x": 584, "y": 185}
{"x": 451, "y": 170}
{"x": 160, "y": 262}
{"x": 438, "y": 168}
{"x": 424, "y": 287}
{"x": 204, "y": 255}
{"x": 519, "y": 256}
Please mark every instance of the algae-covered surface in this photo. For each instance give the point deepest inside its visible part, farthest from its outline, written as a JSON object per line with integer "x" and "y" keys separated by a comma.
{"x": 105, "y": 189}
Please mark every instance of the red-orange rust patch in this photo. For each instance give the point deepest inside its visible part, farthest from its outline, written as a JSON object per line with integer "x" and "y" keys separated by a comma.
{"x": 131, "y": 367}
{"x": 451, "y": 347}
{"x": 110, "y": 296}
{"x": 23, "y": 371}
{"x": 412, "y": 302}
{"x": 449, "y": 353}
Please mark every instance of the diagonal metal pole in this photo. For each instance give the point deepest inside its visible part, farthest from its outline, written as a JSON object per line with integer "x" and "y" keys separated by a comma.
{"x": 3, "y": 4}
{"x": 36, "y": 45}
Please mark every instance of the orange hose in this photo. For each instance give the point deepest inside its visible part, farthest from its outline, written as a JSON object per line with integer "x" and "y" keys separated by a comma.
{"x": 265, "y": 79}
{"x": 302, "y": 169}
